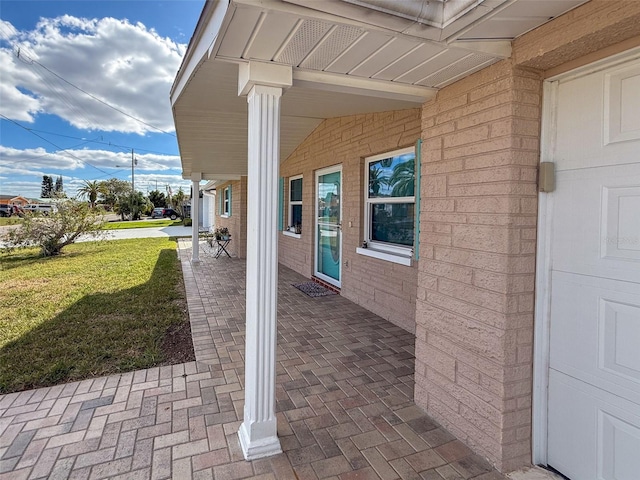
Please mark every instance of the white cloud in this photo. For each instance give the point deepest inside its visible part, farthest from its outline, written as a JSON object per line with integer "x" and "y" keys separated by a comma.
{"x": 21, "y": 170}
{"x": 128, "y": 66}
{"x": 85, "y": 158}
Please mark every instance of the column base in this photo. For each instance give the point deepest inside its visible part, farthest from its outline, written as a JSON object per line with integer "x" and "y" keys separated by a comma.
{"x": 254, "y": 449}
{"x": 195, "y": 260}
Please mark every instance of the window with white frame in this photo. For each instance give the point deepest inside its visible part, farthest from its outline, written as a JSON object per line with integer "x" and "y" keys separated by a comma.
{"x": 295, "y": 204}
{"x": 226, "y": 202}
{"x": 390, "y": 201}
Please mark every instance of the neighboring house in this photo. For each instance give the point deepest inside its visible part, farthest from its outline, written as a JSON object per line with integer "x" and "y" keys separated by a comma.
{"x": 14, "y": 200}
{"x": 525, "y": 305}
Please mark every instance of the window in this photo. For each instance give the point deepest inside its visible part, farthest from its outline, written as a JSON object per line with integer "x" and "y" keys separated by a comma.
{"x": 226, "y": 202}
{"x": 390, "y": 202}
{"x": 295, "y": 204}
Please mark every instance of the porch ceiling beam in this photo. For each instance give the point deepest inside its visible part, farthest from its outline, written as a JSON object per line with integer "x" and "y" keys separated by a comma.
{"x": 333, "y": 82}
{"x": 211, "y": 177}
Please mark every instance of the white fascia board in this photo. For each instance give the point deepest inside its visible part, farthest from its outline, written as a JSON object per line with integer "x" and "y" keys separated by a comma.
{"x": 333, "y": 82}
{"x": 200, "y": 47}
{"x": 496, "y": 48}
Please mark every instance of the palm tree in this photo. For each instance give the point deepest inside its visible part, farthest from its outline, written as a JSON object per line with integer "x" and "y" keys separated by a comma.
{"x": 376, "y": 180}
{"x": 91, "y": 191}
{"x": 402, "y": 180}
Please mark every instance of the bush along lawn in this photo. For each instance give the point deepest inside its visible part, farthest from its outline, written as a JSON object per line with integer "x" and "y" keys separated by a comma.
{"x": 99, "y": 308}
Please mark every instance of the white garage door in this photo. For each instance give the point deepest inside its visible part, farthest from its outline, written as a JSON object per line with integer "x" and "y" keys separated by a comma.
{"x": 594, "y": 369}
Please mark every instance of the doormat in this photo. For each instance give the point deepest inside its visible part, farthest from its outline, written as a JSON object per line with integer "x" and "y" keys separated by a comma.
{"x": 313, "y": 289}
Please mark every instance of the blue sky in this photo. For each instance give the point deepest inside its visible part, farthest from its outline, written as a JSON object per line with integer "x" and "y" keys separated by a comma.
{"x": 123, "y": 53}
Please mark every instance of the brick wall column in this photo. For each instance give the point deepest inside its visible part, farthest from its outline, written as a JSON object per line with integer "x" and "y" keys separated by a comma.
{"x": 474, "y": 311}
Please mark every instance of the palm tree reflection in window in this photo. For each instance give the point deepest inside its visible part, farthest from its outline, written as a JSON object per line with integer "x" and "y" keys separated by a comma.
{"x": 392, "y": 178}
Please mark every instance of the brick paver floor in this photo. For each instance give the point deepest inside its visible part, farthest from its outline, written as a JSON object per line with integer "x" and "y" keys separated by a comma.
{"x": 344, "y": 400}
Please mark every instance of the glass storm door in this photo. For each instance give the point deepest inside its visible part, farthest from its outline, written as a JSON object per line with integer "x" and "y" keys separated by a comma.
{"x": 328, "y": 225}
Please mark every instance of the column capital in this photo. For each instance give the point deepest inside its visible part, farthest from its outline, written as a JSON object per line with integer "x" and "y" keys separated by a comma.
{"x": 255, "y": 73}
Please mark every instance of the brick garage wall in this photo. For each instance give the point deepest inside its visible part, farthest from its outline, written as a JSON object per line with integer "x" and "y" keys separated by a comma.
{"x": 474, "y": 315}
{"x": 237, "y": 222}
{"x": 382, "y": 287}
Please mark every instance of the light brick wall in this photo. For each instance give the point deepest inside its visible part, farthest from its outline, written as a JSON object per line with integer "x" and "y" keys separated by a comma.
{"x": 474, "y": 315}
{"x": 384, "y": 288}
{"x": 237, "y": 222}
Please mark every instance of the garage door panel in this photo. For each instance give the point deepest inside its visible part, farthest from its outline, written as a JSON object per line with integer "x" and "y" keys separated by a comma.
{"x": 598, "y": 337}
{"x": 607, "y": 445}
{"x": 621, "y": 223}
{"x": 597, "y": 223}
{"x": 604, "y": 129}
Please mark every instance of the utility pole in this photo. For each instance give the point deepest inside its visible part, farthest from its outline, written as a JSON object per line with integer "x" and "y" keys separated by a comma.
{"x": 133, "y": 162}
{"x": 133, "y": 186}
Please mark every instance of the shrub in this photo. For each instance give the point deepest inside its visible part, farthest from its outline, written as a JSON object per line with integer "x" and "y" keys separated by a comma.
{"x": 58, "y": 229}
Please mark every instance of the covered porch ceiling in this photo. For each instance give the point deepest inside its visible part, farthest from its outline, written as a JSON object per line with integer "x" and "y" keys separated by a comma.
{"x": 347, "y": 57}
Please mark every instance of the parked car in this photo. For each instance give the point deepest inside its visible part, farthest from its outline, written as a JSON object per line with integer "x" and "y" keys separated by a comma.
{"x": 157, "y": 212}
{"x": 44, "y": 208}
{"x": 5, "y": 210}
{"x": 164, "y": 213}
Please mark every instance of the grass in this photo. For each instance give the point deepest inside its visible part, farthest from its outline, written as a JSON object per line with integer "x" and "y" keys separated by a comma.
{"x": 142, "y": 224}
{"x": 99, "y": 308}
{"x": 9, "y": 221}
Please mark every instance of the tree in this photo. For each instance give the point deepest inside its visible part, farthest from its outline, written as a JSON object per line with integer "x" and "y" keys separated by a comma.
{"x": 91, "y": 190}
{"x": 402, "y": 179}
{"x": 112, "y": 191}
{"x": 157, "y": 198}
{"x": 376, "y": 180}
{"x": 179, "y": 199}
{"x": 60, "y": 228}
{"x": 58, "y": 190}
{"x": 132, "y": 205}
{"x": 47, "y": 187}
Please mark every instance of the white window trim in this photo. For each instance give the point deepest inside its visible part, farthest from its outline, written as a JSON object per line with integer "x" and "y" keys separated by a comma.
{"x": 226, "y": 202}
{"x": 389, "y": 257}
{"x": 290, "y": 209}
{"x": 291, "y": 234}
{"x": 384, "y": 251}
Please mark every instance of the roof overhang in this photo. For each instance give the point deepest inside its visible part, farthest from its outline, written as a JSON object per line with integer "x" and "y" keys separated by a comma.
{"x": 347, "y": 57}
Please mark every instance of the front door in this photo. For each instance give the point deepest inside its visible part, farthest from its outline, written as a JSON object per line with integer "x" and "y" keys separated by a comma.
{"x": 594, "y": 364}
{"x": 328, "y": 246}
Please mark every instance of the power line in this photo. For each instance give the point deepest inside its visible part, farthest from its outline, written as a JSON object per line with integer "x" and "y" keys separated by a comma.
{"x": 128, "y": 147}
{"x": 60, "y": 149}
{"x": 122, "y": 148}
{"x": 31, "y": 61}
{"x": 101, "y": 101}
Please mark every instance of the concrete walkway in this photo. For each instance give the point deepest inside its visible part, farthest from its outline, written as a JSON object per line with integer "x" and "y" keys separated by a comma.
{"x": 344, "y": 399}
{"x": 147, "y": 232}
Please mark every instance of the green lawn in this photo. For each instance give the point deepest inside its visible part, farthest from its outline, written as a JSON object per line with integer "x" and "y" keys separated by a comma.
{"x": 9, "y": 221}
{"x": 97, "y": 309}
{"x": 165, "y": 222}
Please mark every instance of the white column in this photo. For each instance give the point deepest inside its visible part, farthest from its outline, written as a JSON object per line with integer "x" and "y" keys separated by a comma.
{"x": 258, "y": 432}
{"x": 195, "y": 208}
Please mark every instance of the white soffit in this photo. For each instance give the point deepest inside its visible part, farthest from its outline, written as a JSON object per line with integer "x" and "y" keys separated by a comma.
{"x": 331, "y": 45}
